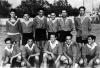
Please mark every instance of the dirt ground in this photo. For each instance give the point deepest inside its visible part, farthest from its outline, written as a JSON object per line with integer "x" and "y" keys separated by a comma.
{"x": 95, "y": 31}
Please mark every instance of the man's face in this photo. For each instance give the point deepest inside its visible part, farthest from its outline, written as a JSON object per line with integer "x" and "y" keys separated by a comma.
{"x": 26, "y": 16}
{"x": 53, "y": 16}
{"x": 41, "y": 12}
{"x": 12, "y": 14}
{"x": 30, "y": 42}
{"x": 64, "y": 13}
{"x": 82, "y": 11}
{"x": 90, "y": 41}
{"x": 60, "y": 15}
{"x": 68, "y": 39}
{"x": 8, "y": 43}
{"x": 49, "y": 16}
{"x": 52, "y": 38}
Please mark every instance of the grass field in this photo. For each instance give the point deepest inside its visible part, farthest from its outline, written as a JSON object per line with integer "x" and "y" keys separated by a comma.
{"x": 95, "y": 31}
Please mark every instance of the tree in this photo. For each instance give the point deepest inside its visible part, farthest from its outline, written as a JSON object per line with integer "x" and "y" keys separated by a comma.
{"x": 5, "y": 8}
{"x": 33, "y": 6}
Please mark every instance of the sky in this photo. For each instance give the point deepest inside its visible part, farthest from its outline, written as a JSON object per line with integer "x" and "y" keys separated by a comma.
{"x": 14, "y": 3}
{"x": 74, "y": 3}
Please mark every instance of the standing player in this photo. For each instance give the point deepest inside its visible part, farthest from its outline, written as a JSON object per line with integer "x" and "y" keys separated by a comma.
{"x": 13, "y": 27}
{"x": 41, "y": 25}
{"x": 27, "y": 28}
{"x": 65, "y": 26}
{"x": 83, "y": 26}
{"x": 53, "y": 25}
{"x": 52, "y": 51}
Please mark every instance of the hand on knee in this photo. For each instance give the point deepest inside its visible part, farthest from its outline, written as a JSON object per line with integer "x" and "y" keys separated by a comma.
{"x": 57, "y": 64}
{"x": 81, "y": 61}
{"x": 70, "y": 61}
{"x": 19, "y": 58}
{"x": 37, "y": 58}
{"x": 23, "y": 64}
{"x": 66, "y": 61}
{"x": 75, "y": 65}
{"x": 50, "y": 58}
{"x": 97, "y": 61}
{"x": 44, "y": 57}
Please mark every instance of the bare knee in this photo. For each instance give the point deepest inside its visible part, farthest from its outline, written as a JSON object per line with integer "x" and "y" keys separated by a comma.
{"x": 36, "y": 57}
{"x": 45, "y": 57}
{"x": 97, "y": 61}
{"x": 19, "y": 58}
{"x": 58, "y": 64}
{"x": 23, "y": 64}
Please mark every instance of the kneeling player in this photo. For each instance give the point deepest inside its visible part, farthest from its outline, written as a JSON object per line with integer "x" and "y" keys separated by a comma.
{"x": 91, "y": 52}
{"x": 52, "y": 51}
{"x": 12, "y": 54}
{"x": 30, "y": 54}
{"x": 70, "y": 55}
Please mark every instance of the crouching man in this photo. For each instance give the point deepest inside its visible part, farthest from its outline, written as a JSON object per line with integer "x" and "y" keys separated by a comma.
{"x": 91, "y": 52}
{"x": 30, "y": 54}
{"x": 52, "y": 52}
{"x": 12, "y": 54}
{"x": 70, "y": 55}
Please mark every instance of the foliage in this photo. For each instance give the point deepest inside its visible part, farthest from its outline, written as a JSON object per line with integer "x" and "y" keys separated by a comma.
{"x": 32, "y": 7}
{"x": 4, "y": 8}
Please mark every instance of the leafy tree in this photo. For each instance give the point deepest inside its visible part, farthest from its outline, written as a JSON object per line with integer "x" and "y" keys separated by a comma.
{"x": 4, "y": 8}
{"x": 33, "y": 6}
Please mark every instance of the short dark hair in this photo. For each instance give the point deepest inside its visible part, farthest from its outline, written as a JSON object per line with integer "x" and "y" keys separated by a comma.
{"x": 53, "y": 34}
{"x": 70, "y": 35}
{"x": 92, "y": 37}
{"x": 82, "y": 7}
{"x": 30, "y": 39}
{"x": 64, "y": 10}
{"x": 12, "y": 10}
{"x": 8, "y": 39}
{"x": 26, "y": 14}
{"x": 41, "y": 10}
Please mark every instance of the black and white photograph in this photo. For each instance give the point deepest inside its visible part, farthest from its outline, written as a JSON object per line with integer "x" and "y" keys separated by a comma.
{"x": 49, "y": 33}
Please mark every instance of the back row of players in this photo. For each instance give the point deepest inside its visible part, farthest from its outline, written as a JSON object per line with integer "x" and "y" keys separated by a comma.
{"x": 52, "y": 29}
{"x": 41, "y": 27}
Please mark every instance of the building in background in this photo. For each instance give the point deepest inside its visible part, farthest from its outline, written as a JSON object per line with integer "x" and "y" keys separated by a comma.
{"x": 91, "y": 5}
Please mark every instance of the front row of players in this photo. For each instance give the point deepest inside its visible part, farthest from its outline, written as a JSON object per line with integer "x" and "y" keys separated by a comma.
{"x": 69, "y": 54}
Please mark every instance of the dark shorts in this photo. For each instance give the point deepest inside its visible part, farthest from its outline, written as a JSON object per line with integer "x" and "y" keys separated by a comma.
{"x": 25, "y": 37}
{"x": 80, "y": 40}
{"x": 32, "y": 60}
{"x": 40, "y": 34}
{"x": 15, "y": 63}
{"x": 62, "y": 35}
{"x": 89, "y": 57}
{"x": 51, "y": 61}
